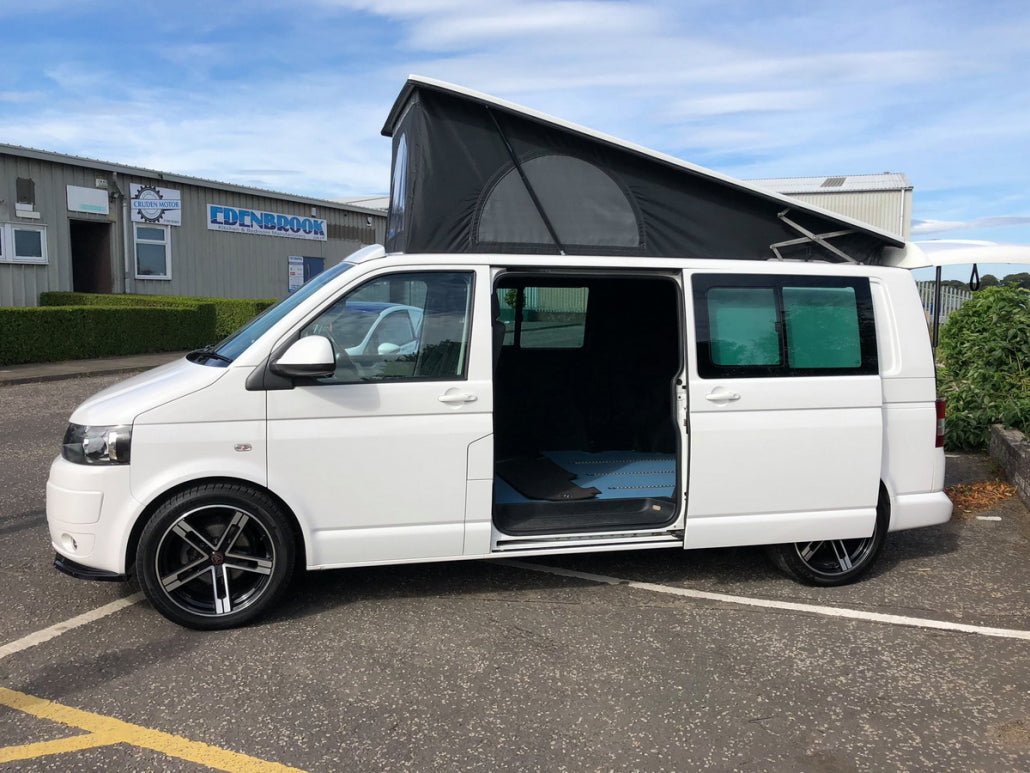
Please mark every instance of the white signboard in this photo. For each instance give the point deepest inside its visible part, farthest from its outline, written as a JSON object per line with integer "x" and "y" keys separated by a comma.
{"x": 149, "y": 204}
{"x": 296, "y": 272}
{"x": 260, "y": 223}
{"x": 90, "y": 200}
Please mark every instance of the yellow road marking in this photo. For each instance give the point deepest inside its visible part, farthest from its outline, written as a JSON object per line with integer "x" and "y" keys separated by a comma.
{"x": 74, "y": 744}
{"x": 105, "y": 731}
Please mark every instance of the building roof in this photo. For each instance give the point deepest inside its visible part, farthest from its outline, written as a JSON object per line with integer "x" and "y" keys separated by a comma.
{"x": 381, "y": 203}
{"x": 170, "y": 177}
{"x": 850, "y": 183}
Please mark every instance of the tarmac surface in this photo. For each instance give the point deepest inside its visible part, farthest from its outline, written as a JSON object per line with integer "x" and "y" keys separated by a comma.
{"x": 649, "y": 660}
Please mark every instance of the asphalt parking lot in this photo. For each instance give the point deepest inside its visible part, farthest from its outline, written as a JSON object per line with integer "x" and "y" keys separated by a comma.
{"x": 653, "y": 661}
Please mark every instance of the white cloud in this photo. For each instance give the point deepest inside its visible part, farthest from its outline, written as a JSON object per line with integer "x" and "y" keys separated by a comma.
{"x": 922, "y": 227}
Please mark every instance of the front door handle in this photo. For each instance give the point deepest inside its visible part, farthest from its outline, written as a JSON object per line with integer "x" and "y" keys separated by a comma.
{"x": 720, "y": 395}
{"x": 456, "y": 397}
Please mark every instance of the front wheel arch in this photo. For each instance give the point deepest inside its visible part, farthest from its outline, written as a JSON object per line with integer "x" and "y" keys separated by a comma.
{"x": 300, "y": 544}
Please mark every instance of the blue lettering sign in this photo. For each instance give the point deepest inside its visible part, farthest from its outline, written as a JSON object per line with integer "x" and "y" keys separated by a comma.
{"x": 224, "y": 218}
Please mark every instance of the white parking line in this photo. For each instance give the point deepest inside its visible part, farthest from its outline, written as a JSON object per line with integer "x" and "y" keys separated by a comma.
{"x": 57, "y": 629}
{"x": 851, "y": 614}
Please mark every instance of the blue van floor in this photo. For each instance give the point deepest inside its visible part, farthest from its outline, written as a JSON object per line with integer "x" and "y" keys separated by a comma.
{"x": 615, "y": 474}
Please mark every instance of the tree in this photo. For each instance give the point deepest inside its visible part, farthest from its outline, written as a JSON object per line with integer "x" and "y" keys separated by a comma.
{"x": 989, "y": 280}
{"x": 984, "y": 376}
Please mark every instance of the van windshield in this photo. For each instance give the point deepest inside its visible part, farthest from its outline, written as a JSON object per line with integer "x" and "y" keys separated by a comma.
{"x": 227, "y": 350}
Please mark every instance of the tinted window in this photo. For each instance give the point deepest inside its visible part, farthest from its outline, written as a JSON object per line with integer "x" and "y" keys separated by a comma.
{"x": 750, "y": 326}
{"x": 822, "y": 327}
{"x": 400, "y": 327}
{"x": 743, "y": 326}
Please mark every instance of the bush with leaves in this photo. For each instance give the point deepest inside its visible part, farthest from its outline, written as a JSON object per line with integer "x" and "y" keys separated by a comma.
{"x": 984, "y": 352}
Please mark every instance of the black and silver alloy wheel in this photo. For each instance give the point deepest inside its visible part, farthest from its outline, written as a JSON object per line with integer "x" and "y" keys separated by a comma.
{"x": 215, "y": 556}
{"x": 834, "y": 562}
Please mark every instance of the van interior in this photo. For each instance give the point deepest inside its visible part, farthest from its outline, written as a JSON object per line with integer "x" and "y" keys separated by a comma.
{"x": 585, "y": 431}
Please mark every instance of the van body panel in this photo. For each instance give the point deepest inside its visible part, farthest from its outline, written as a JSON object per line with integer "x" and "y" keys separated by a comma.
{"x": 775, "y": 528}
{"x": 910, "y": 467}
{"x": 343, "y": 466}
{"x": 223, "y": 400}
{"x": 479, "y": 499}
{"x": 378, "y": 470}
{"x": 913, "y": 511}
{"x": 780, "y": 458}
{"x": 123, "y": 402}
{"x": 165, "y": 456}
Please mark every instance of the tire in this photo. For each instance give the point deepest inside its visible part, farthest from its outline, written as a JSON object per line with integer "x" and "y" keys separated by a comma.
{"x": 834, "y": 562}
{"x": 216, "y": 556}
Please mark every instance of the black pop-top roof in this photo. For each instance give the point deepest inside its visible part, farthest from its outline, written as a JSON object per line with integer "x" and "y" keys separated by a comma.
{"x": 472, "y": 173}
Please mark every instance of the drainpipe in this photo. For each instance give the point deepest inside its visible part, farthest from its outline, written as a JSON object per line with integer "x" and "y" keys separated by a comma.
{"x": 126, "y": 234}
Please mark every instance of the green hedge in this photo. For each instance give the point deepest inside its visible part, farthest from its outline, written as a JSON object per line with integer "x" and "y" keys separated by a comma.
{"x": 230, "y": 313}
{"x": 984, "y": 373}
{"x": 50, "y": 333}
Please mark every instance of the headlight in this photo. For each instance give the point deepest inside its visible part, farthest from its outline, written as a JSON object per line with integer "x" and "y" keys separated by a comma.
{"x": 97, "y": 445}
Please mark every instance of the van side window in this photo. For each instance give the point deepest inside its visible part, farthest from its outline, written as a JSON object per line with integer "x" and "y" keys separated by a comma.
{"x": 401, "y": 327}
{"x": 538, "y": 317}
{"x": 755, "y": 326}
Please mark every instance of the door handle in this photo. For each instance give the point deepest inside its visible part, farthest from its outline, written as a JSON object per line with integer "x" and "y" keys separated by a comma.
{"x": 455, "y": 398}
{"x": 720, "y": 395}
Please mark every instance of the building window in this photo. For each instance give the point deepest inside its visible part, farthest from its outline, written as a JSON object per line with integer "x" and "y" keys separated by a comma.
{"x": 152, "y": 250}
{"x": 23, "y": 244}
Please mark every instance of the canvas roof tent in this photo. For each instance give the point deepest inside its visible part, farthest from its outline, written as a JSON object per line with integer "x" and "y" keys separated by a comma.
{"x": 472, "y": 173}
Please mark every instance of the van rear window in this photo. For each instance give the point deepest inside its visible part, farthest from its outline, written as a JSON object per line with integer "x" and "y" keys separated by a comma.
{"x": 753, "y": 326}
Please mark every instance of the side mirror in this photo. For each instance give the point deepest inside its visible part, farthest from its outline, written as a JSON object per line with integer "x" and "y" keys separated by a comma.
{"x": 310, "y": 356}
{"x": 387, "y": 349}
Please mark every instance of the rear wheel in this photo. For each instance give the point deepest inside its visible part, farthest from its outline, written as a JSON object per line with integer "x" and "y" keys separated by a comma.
{"x": 215, "y": 556}
{"x": 834, "y": 562}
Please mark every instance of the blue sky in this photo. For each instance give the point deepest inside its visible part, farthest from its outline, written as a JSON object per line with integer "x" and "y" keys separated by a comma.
{"x": 291, "y": 95}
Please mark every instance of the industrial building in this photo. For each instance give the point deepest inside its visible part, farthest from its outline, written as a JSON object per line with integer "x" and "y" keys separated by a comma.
{"x": 71, "y": 223}
{"x": 883, "y": 200}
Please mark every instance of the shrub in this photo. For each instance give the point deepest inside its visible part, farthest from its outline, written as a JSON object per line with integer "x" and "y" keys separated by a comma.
{"x": 230, "y": 313}
{"x": 51, "y": 333}
{"x": 984, "y": 376}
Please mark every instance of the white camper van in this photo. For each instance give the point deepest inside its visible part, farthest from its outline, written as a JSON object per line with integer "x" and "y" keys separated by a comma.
{"x": 516, "y": 376}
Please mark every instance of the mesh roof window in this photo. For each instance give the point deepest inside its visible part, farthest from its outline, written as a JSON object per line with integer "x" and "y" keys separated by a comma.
{"x": 585, "y": 205}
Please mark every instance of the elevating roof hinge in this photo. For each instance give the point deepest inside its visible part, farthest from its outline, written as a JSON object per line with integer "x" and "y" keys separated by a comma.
{"x": 820, "y": 239}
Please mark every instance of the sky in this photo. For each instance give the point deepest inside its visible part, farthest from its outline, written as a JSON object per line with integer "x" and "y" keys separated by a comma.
{"x": 291, "y": 96}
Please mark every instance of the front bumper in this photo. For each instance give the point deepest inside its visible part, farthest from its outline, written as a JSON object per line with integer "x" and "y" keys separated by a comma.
{"x": 90, "y": 511}
{"x": 81, "y": 572}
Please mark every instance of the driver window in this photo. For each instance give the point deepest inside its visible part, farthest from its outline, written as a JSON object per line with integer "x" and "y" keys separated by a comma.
{"x": 412, "y": 326}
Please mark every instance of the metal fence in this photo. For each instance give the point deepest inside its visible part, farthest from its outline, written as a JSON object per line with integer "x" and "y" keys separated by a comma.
{"x": 951, "y": 299}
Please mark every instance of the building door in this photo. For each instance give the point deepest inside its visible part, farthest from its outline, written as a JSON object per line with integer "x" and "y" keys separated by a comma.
{"x": 313, "y": 267}
{"x": 91, "y": 257}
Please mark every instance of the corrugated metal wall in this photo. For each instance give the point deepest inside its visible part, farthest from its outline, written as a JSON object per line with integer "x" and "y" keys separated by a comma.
{"x": 21, "y": 284}
{"x": 202, "y": 261}
{"x": 889, "y": 210}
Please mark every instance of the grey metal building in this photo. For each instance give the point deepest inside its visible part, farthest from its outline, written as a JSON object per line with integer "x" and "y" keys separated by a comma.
{"x": 883, "y": 200}
{"x": 71, "y": 223}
